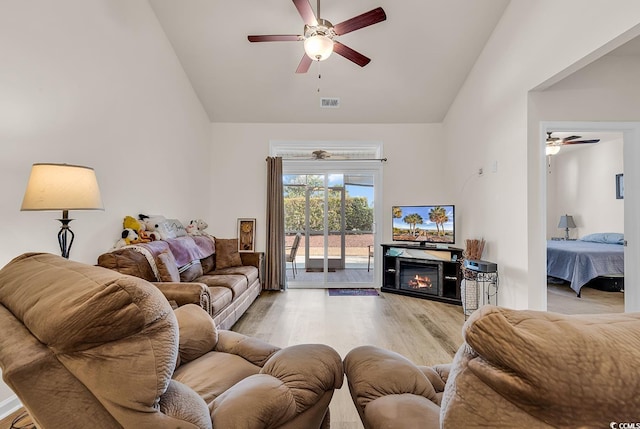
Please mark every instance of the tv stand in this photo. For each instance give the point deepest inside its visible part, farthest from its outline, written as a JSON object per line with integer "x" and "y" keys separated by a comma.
{"x": 422, "y": 271}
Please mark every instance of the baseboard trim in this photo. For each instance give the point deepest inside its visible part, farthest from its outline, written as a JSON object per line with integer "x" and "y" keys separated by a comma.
{"x": 9, "y": 405}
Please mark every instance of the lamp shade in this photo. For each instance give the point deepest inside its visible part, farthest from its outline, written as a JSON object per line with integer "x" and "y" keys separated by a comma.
{"x": 566, "y": 221}
{"x": 62, "y": 187}
{"x": 318, "y": 47}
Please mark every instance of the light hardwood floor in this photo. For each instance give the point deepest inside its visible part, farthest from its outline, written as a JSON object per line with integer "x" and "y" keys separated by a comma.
{"x": 562, "y": 299}
{"x": 426, "y": 332}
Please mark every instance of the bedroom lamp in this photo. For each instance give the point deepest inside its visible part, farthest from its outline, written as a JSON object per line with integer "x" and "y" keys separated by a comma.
{"x": 566, "y": 222}
{"x": 62, "y": 187}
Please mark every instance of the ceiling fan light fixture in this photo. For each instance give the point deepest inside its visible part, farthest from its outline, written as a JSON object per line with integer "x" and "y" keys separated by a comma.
{"x": 552, "y": 150}
{"x": 318, "y": 47}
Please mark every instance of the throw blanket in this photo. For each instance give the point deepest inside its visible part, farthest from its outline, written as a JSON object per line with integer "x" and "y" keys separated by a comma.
{"x": 187, "y": 249}
{"x": 151, "y": 251}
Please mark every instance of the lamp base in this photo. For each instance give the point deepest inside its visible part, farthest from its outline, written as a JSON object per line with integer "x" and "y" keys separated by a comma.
{"x": 65, "y": 235}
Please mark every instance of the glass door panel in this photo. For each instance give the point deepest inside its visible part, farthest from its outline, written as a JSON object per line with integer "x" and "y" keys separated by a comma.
{"x": 334, "y": 215}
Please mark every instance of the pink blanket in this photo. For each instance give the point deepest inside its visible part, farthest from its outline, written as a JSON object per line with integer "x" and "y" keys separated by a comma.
{"x": 155, "y": 247}
{"x": 186, "y": 249}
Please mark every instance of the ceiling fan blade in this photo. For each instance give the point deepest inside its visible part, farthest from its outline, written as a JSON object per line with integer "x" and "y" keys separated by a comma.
{"x": 581, "y": 141}
{"x": 571, "y": 138}
{"x": 276, "y": 38}
{"x": 306, "y": 12}
{"x": 366, "y": 19}
{"x": 304, "y": 65}
{"x": 350, "y": 54}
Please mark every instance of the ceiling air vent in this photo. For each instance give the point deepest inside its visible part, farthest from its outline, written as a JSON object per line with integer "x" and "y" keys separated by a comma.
{"x": 329, "y": 103}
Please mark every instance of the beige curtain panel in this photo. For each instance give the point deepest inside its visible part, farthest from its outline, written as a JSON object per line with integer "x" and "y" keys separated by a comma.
{"x": 275, "y": 273}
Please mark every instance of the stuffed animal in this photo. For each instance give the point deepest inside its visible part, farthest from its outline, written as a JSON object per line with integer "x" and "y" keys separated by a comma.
{"x": 202, "y": 225}
{"x": 152, "y": 223}
{"x": 139, "y": 227}
{"x": 129, "y": 236}
{"x": 192, "y": 229}
{"x": 197, "y": 227}
{"x": 131, "y": 222}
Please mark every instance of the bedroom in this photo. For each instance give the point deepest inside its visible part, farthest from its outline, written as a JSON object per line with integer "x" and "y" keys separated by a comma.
{"x": 594, "y": 98}
{"x": 581, "y": 182}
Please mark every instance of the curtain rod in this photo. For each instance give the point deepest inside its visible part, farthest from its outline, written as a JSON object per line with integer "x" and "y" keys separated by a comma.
{"x": 333, "y": 160}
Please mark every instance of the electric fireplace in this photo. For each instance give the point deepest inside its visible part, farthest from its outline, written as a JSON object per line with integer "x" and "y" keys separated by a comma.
{"x": 419, "y": 276}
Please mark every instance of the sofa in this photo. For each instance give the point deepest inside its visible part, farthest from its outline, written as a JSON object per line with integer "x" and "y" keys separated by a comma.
{"x": 201, "y": 270}
{"x": 515, "y": 369}
{"x": 83, "y": 346}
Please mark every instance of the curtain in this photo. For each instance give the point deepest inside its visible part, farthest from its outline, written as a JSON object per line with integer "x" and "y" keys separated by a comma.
{"x": 275, "y": 267}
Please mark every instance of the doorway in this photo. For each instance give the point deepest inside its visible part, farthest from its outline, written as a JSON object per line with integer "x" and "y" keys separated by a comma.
{"x": 582, "y": 204}
{"x": 631, "y": 137}
{"x": 330, "y": 217}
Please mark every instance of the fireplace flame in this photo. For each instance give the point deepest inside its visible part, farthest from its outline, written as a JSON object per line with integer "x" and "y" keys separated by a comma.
{"x": 420, "y": 282}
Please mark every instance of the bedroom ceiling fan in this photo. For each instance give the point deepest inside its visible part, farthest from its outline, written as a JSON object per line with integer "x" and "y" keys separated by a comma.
{"x": 319, "y": 35}
{"x": 554, "y": 143}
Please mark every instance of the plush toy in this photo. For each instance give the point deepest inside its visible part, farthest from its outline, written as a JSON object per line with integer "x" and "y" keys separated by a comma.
{"x": 202, "y": 225}
{"x": 197, "y": 227}
{"x": 139, "y": 227}
{"x": 152, "y": 223}
{"x": 192, "y": 229}
{"x": 129, "y": 236}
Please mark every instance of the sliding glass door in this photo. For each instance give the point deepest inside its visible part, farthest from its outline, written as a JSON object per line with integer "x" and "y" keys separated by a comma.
{"x": 330, "y": 226}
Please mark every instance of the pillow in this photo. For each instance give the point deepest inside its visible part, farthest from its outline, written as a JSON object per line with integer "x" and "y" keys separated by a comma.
{"x": 190, "y": 271}
{"x": 198, "y": 333}
{"x": 171, "y": 228}
{"x": 167, "y": 267}
{"x": 227, "y": 253}
{"x": 176, "y": 226}
{"x": 208, "y": 263}
{"x": 605, "y": 237}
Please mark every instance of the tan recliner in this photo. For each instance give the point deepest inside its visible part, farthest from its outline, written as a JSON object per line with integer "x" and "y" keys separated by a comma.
{"x": 516, "y": 369}
{"x": 85, "y": 346}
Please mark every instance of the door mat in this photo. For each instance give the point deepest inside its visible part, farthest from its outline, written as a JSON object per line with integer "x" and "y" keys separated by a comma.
{"x": 352, "y": 292}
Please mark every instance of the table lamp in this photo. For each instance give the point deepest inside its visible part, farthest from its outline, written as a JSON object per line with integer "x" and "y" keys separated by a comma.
{"x": 566, "y": 222}
{"x": 62, "y": 187}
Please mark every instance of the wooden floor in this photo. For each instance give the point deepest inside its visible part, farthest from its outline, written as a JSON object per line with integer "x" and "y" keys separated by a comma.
{"x": 426, "y": 332}
{"x": 563, "y": 299}
{"x": 21, "y": 419}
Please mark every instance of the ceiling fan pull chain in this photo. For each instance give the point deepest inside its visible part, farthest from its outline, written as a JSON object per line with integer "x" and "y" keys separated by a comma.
{"x": 319, "y": 76}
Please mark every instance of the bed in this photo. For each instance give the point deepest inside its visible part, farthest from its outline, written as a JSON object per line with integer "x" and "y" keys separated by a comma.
{"x": 579, "y": 261}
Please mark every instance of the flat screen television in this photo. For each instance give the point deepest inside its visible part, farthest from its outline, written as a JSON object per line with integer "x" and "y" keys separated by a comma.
{"x": 424, "y": 224}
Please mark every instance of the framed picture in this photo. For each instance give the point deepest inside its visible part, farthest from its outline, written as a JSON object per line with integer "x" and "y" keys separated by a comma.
{"x": 246, "y": 235}
{"x": 619, "y": 186}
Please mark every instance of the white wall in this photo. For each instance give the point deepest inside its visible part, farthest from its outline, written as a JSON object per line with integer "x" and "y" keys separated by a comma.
{"x": 489, "y": 122}
{"x": 95, "y": 82}
{"x": 581, "y": 183}
{"x": 414, "y": 173}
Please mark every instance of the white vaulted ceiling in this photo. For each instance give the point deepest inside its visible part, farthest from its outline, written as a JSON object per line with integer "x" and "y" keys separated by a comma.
{"x": 420, "y": 56}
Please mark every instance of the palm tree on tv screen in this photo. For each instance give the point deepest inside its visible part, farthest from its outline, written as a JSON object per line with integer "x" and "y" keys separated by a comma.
{"x": 438, "y": 215}
{"x": 413, "y": 219}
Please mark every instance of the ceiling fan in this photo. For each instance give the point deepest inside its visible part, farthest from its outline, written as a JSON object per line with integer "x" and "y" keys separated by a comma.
{"x": 319, "y": 35}
{"x": 554, "y": 143}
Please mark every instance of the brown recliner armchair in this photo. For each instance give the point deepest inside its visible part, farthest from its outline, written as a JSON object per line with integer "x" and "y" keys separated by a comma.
{"x": 516, "y": 369}
{"x": 85, "y": 346}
